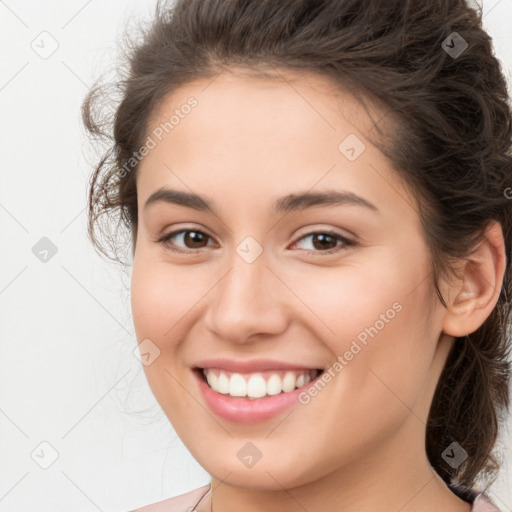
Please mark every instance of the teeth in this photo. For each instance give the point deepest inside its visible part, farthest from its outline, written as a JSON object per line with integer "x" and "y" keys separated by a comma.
{"x": 257, "y": 385}
{"x": 237, "y": 385}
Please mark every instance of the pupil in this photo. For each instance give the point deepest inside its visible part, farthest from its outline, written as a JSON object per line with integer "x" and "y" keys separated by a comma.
{"x": 323, "y": 238}
{"x": 194, "y": 237}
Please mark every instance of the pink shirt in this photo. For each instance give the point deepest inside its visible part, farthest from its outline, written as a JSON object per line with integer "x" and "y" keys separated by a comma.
{"x": 479, "y": 500}
{"x": 186, "y": 502}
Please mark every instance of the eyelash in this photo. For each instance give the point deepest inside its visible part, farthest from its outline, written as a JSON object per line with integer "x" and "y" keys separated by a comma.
{"x": 346, "y": 242}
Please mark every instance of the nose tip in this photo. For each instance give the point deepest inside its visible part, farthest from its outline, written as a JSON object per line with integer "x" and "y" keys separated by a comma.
{"x": 246, "y": 302}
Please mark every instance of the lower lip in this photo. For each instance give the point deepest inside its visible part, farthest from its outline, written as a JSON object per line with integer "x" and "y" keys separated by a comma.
{"x": 243, "y": 410}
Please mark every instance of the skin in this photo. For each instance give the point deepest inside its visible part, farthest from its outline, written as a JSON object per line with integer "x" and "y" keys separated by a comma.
{"x": 359, "y": 444}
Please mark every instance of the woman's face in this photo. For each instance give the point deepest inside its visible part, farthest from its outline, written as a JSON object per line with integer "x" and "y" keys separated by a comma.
{"x": 264, "y": 277}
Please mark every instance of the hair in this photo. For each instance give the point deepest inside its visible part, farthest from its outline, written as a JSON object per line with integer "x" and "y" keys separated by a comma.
{"x": 448, "y": 135}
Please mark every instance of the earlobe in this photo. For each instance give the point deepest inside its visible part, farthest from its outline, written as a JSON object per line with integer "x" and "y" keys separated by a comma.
{"x": 476, "y": 293}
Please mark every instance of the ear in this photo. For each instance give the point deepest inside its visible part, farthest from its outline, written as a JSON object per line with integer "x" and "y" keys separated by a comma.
{"x": 473, "y": 297}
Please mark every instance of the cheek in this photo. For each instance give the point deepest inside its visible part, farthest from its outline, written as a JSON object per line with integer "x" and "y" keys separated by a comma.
{"x": 162, "y": 296}
{"x": 348, "y": 302}
{"x": 167, "y": 300}
{"x": 373, "y": 318}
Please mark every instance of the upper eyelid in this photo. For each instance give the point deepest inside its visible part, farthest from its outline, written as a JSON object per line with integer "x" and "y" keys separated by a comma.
{"x": 310, "y": 230}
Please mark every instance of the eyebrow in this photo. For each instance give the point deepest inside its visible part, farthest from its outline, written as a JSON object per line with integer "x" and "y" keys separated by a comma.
{"x": 285, "y": 204}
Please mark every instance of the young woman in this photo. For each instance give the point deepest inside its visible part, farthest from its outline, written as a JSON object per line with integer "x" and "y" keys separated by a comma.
{"x": 318, "y": 195}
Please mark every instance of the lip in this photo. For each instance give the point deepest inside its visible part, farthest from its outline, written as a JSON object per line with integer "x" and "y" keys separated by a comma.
{"x": 255, "y": 365}
{"x": 244, "y": 410}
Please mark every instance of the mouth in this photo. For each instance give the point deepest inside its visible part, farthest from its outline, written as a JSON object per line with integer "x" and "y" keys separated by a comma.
{"x": 256, "y": 385}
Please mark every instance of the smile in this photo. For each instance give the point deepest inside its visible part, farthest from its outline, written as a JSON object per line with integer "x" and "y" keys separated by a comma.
{"x": 228, "y": 394}
{"x": 258, "y": 384}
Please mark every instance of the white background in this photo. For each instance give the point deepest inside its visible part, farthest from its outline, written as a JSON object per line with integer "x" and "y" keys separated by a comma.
{"x": 67, "y": 373}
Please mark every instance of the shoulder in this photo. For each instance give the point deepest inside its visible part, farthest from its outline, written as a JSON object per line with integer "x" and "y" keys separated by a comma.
{"x": 182, "y": 503}
{"x": 483, "y": 503}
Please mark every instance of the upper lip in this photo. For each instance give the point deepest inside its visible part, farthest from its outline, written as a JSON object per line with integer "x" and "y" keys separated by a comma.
{"x": 253, "y": 365}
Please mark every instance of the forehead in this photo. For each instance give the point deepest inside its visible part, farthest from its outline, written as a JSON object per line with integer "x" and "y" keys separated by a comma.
{"x": 238, "y": 98}
{"x": 244, "y": 128}
{"x": 240, "y": 106}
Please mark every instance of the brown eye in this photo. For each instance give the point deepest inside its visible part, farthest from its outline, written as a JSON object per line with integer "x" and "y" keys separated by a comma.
{"x": 192, "y": 239}
{"x": 326, "y": 242}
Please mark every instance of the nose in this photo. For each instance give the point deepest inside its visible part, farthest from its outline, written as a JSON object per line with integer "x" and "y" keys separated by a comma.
{"x": 249, "y": 300}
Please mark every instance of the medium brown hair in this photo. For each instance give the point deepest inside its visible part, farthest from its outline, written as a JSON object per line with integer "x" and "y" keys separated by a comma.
{"x": 448, "y": 134}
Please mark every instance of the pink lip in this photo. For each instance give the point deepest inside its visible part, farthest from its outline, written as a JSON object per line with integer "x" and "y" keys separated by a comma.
{"x": 251, "y": 366}
{"x": 243, "y": 410}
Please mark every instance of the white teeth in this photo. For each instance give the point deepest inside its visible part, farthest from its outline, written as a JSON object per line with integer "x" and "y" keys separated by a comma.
{"x": 274, "y": 385}
{"x": 237, "y": 385}
{"x": 256, "y": 386}
{"x": 289, "y": 382}
{"x": 223, "y": 384}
